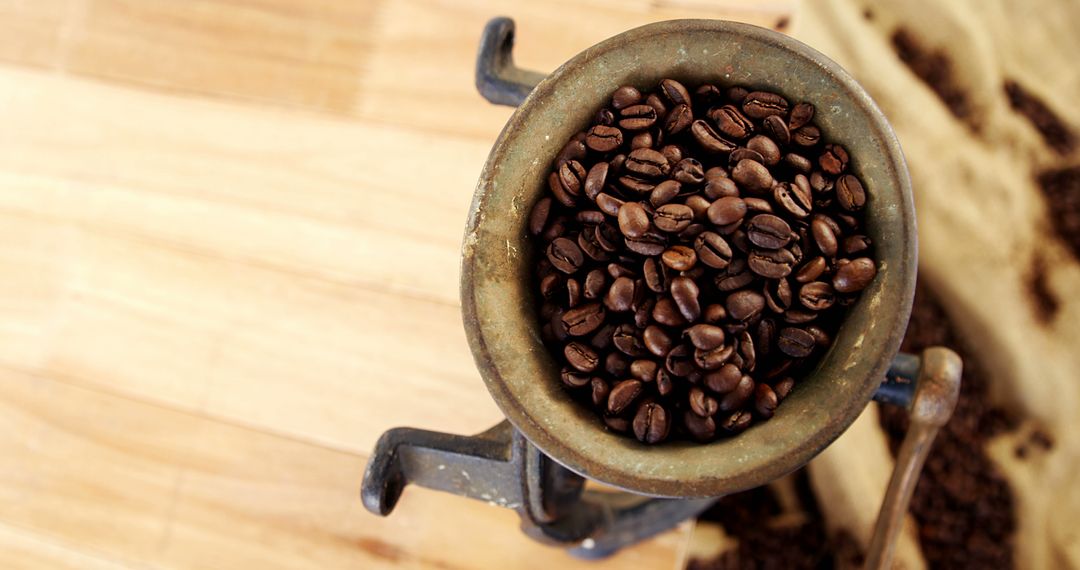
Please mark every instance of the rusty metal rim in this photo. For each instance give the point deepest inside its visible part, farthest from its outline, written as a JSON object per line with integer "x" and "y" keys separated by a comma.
{"x": 895, "y": 313}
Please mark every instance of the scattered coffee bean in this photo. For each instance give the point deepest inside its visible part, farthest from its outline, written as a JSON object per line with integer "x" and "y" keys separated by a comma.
{"x": 752, "y": 175}
{"x": 623, "y": 394}
{"x": 795, "y": 342}
{"x": 651, "y": 424}
{"x": 673, "y": 218}
{"x": 679, "y": 258}
{"x": 761, "y": 104}
{"x": 854, "y": 276}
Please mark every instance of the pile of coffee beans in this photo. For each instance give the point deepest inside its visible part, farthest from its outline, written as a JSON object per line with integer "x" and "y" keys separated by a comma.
{"x": 695, "y": 256}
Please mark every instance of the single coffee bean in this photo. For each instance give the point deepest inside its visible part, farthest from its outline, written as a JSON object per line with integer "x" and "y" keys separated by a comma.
{"x": 643, "y": 312}
{"x": 723, "y": 380}
{"x": 817, "y": 296}
{"x": 680, "y": 361}
{"x": 854, "y": 276}
{"x": 550, "y": 284}
{"x": 587, "y": 242}
{"x": 620, "y": 295}
{"x": 688, "y": 171}
{"x": 623, "y": 394}
{"x": 821, "y": 337}
{"x": 637, "y": 117}
{"x": 795, "y": 342}
{"x": 675, "y": 92}
{"x": 666, "y": 312}
{"x": 651, "y": 243}
{"x": 701, "y": 403}
{"x": 657, "y": 341}
{"x": 766, "y": 147}
{"x": 744, "y": 305}
{"x": 643, "y": 139}
{"x": 765, "y": 337}
{"x": 801, "y": 114}
{"x": 604, "y": 117}
{"x": 747, "y": 351}
{"x": 565, "y": 255}
{"x": 679, "y": 258}
{"x": 651, "y": 423}
{"x": 658, "y": 105}
{"x": 595, "y": 281}
{"x": 721, "y": 188}
{"x": 709, "y": 139}
{"x": 691, "y": 232}
{"x": 856, "y": 244}
{"x": 799, "y": 316}
{"x": 820, "y": 183}
{"x": 758, "y": 205}
{"x": 737, "y": 94}
{"x": 834, "y": 159}
{"x": 615, "y": 423}
{"x": 573, "y": 379}
{"x": 583, "y": 319}
{"x": 768, "y": 231}
{"x": 775, "y": 127}
{"x": 627, "y": 341}
{"x": 798, "y": 162}
{"x": 705, "y": 336}
{"x": 590, "y": 217}
{"x": 761, "y": 104}
{"x": 699, "y": 205}
{"x": 633, "y": 220}
{"x": 636, "y": 185}
{"x": 616, "y": 364}
{"x": 664, "y": 383}
{"x": 581, "y": 356}
{"x": 701, "y": 429}
{"x": 685, "y": 294}
{"x": 765, "y": 401}
{"x": 602, "y": 339}
{"x": 603, "y": 138}
{"x": 599, "y": 391}
{"x": 625, "y": 96}
{"x": 644, "y": 370}
{"x": 736, "y": 422}
{"x": 608, "y": 204}
{"x": 731, "y": 122}
{"x": 647, "y": 163}
{"x": 850, "y": 193}
{"x": 656, "y": 275}
{"x": 715, "y": 173}
{"x": 559, "y": 191}
{"x": 735, "y": 276}
{"x": 713, "y": 359}
{"x": 726, "y": 210}
{"x": 572, "y": 177}
{"x": 664, "y": 193}
{"x": 771, "y": 264}
{"x": 678, "y": 119}
{"x": 743, "y": 153}
{"x": 708, "y": 95}
{"x": 792, "y": 201}
{"x": 714, "y": 313}
{"x": 752, "y": 175}
{"x": 783, "y": 388}
{"x": 738, "y": 397}
{"x": 539, "y": 216}
{"x": 777, "y": 295}
{"x": 808, "y": 135}
{"x": 673, "y": 218}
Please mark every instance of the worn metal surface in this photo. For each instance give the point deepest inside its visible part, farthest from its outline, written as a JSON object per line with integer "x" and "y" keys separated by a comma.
{"x": 496, "y": 260}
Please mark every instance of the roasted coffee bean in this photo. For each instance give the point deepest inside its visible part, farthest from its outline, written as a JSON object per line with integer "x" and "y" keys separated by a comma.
{"x": 726, "y": 210}
{"x": 625, "y": 96}
{"x": 637, "y": 117}
{"x": 771, "y": 264}
{"x": 616, "y": 270}
{"x": 583, "y": 319}
{"x": 600, "y": 389}
{"x": 572, "y": 177}
{"x": 654, "y": 101}
{"x": 849, "y": 193}
{"x": 713, "y": 250}
{"x": 737, "y": 94}
{"x": 641, "y": 140}
{"x": 821, "y": 337}
{"x": 664, "y": 382}
{"x": 701, "y": 429}
{"x": 616, "y": 364}
{"x": 673, "y": 218}
{"x": 636, "y": 185}
{"x": 731, "y": 122}
{"x": 834, "y": 159}
{"x": 678, "y": 119}
{"x": 768, "y": 231}
{"x": 602, "y": 339}
{"x": 604, "y": 138}
{"x": 559, "y": 191}
{"x": 666, "y": 312}
{"x": 590, "y": 217}
{"x": 801, "y": 114}
{"x": 824, "y": 237}
{"x": 723, "y": 380}
{"x": 595, "y": 281}
{"x": 587, "y": 242}
{"x": 752, "y": 175}
{"x": 620, "y": 295}
{"x": 795, "y": 342}
{"x": 679, "y": 258}
{"x": 713, "y": 359}
{"x": 607, "y": 236}
{"x": 565, "y": 255}
{"x": 581, "y": 356}
{"x": 820, "y": 183}
{"x": 736, "y": 276}
{"x": 709, "y": 139}
{"x": 608, "y": 204}
{"x": 699, "y": 205}
{"x": 799, "y": 316}
{"x": 808, "y": 135}
{"x": 765, "y": 337}
{"x": 656, "y": 275}
{"x": 744, "y": 305}
{"x": 651, "y": 243}
{"x": 765, "y": 401}
{"x": 643, "y": 312}
{"x": 775, "y": 127}
{"x": 688, "y": 171}
{"x": 714, "y": 313}
{"x": 623, "y": 394}
{"x": 721, "y": 188}
{"x": 707, "y": 95}
{"x": 647, "y": 163}
{"x": 854, "y": 276}
{"x": 680, "y": 361}
{"x": 550, "y": 284}
{"x": 573, "y": 293}
{"x": 644, "y": 370}
{"x": 691, "y": 233}
{"x": 758, "y": 205}
{"x": 761, "y": 104}
{"x": 738, "y": 397}
{"x": 743, "y": 153}
{"x": 665, "y": 192}
{"x": 616, "y": 423}
{"x": 604, "y": 117}
{"x": 705, "y": 336}
{"x": 798, "y": 162}
{"x": 792, "y": 200}
{"x": 856, "y": 244}
{"x": 673, "y": 153}
{"x": 657, "y": 341}
{"x": 701, "y": 403}
{"x": 817, "y": 296}
{"x": 627, "y": 341}
{"x": 747, "y": 351}
{"x": 783, "y": 388}
{"x": 558, "y": 330}
{"x": 777, "y": 295}
{"x": 685, "y": 294}
{"x": 633, "y": 220}
{"x": 574, "y": 379}
{"x": 539, "y": 216}
{"x": 675, "y": 92}
{"x": 651, "y": 423}
{"x": 736, "y": 422}
{"x": 765, "y": 146}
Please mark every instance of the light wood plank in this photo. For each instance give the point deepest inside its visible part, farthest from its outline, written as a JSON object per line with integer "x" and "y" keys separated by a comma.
{"x": 24, "y": 550}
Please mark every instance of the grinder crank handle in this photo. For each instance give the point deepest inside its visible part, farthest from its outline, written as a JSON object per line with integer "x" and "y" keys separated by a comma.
{"x": 930, "y": 405}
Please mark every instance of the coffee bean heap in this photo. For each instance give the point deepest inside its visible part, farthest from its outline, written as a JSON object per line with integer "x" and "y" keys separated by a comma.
{"x": 696, "y": 256}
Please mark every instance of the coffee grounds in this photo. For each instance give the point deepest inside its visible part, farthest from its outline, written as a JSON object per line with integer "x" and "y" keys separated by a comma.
{"x": 1053, "y": 129}
{"x": 935, "y": 69}
{"x": 963, "y": 507}
{"x": 1061, "y": 189}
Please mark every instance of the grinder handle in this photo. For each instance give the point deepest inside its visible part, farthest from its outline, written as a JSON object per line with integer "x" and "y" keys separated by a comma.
{"x": 497, "y": 78}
